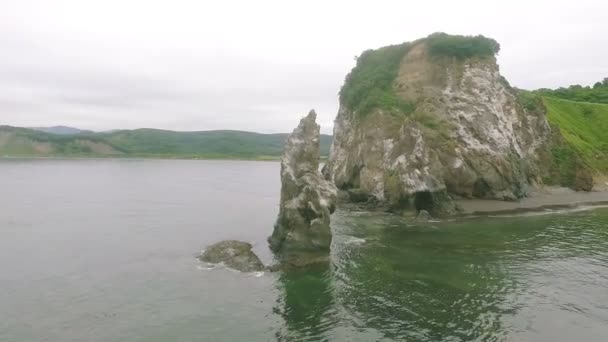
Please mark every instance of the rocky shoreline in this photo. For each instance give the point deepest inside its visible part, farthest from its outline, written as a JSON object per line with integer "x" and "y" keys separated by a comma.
{"x": 426, "y": 130}
{"x": 239, "y": 255}
{"x": 549, "y": 198}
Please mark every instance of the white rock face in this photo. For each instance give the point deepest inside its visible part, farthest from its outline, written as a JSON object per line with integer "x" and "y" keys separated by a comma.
{"x": 307, "y": 199}
{"x": 484, "y": 112}
{"x": 482, "y": 143}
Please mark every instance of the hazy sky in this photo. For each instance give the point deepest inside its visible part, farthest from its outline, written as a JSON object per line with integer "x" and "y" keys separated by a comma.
{"x": 255, "y": 65}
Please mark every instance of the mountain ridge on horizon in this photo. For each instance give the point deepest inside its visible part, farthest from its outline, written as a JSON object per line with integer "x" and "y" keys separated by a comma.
{"x": 145, "y": 142}
{"x": 71, "y": 130}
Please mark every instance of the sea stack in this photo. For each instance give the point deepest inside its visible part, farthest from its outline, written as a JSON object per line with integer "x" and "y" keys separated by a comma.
{"x": 307, "y": 199}
{"x": 421, "y": 123}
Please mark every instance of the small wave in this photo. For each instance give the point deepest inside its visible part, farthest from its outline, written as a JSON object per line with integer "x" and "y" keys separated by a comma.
{"x": 351, "y": 240}
{"x": 207, "y": 267}
{"x": 553, "y": 211}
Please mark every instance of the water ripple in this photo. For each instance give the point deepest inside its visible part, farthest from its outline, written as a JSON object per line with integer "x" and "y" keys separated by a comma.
{"x": 483, "y": 279}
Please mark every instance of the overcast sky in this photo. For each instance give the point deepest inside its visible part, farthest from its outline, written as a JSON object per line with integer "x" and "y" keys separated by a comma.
{"x": 256, "y": 65}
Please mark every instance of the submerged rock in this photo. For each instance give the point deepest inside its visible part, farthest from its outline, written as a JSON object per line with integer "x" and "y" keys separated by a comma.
{"x": 357, "y": 196}
{"x": 234, "y": 254}
{"x": 307, "y": 199}
{"x": 299, "y": 260}
{"x": 423, "y": 216}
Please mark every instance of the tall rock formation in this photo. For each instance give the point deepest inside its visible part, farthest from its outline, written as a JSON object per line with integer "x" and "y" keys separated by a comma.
{"x": 421, "y": 122}
{"x": 307, "y": 199}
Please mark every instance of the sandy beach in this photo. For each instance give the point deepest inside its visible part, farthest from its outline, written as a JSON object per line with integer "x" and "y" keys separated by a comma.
{"x": 545, "y": 199}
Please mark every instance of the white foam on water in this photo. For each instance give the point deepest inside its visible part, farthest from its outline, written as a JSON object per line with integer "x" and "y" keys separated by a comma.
{"x": 354, "y": 240}
{"x": 553, "y": 211}
{"x": 208, "y": 266}
{"x": 204, "y": 268}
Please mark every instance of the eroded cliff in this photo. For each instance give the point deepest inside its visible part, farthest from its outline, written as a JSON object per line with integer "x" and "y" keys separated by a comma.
{"x": 422, "y": 122}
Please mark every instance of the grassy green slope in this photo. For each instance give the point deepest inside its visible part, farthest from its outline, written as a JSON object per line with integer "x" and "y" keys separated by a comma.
{"x": 584, "y": 127}
{"x": 151, "y": 143}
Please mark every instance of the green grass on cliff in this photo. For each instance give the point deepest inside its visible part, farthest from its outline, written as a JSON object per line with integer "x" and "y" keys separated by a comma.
{"x": 584, "y": 127}
{"x": 580, "y": 114}
{"x": 370, "y": 84}
{"x": 442, "y": 44}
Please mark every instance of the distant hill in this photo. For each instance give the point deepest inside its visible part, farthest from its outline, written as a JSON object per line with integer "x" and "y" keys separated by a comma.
{"x": 61, "y": 130}
{"x": 226, "y": 144}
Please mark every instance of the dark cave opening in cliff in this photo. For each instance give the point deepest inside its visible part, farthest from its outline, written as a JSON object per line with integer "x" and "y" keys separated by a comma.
{"x": 423, "y": 200}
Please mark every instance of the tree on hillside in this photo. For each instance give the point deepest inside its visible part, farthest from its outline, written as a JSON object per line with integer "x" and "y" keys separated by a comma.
{"x": 598, "y": 93}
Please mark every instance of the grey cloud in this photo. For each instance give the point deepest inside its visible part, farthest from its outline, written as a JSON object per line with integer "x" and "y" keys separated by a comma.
{"x": 204, "y": 66}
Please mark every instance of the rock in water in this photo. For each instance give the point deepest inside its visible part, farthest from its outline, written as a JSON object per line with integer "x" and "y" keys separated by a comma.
{"x": 307, "y": 199}
{"x": 234, "y": 254}
{"x": 445, "y": 123}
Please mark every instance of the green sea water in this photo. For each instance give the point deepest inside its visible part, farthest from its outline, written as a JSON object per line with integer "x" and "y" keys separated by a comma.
{"x": 104, "y": 250}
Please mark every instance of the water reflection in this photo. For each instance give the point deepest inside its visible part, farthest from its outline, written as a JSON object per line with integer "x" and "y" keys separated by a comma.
{"x": 306, "y": 303}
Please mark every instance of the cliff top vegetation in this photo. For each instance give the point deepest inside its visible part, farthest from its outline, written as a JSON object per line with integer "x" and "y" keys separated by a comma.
{"x": 369, "y": 85}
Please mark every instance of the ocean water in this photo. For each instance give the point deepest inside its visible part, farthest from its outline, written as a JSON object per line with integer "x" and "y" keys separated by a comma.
{"x": 104, "y": 250}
